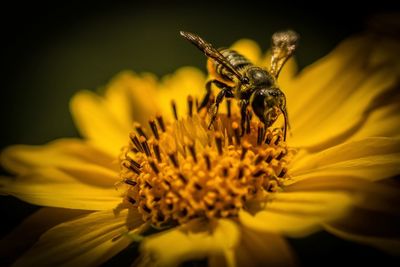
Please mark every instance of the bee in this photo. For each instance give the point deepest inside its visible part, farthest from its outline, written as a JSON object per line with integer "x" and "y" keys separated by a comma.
{"x": 238, "y": 78}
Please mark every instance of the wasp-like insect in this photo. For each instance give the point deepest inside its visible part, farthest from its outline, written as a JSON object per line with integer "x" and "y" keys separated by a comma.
{"x": 237, "y": 77}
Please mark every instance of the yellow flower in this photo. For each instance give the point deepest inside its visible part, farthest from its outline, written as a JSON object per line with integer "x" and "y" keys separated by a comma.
{"x": 183, "y": 192}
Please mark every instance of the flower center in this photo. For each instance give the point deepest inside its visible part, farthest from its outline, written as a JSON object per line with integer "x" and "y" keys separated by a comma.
{"x": 183, "y": 171}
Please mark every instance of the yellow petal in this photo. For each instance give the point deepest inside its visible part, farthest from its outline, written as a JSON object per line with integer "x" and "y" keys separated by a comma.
{"x": 371, "y": 158}
{"x": 56, "y": 188}
{"x": 28, "y": 232}
{"x": 66, "y": 154}
{"x": 96, "y": 122}
{"x": 389, "y": 245}
{"x": 335, "y": 94}
{"x": 177, "y": 86}
{"x": 249, "y": 49}
{"x": 87, "y": 241}
{"x": 263, "y": 249}
{"x": 195, "y": 240}
{"x": 298, "y": 214}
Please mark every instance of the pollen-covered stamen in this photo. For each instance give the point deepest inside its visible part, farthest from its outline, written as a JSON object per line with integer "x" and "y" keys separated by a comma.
{"x": 181, "y": 170}
{"x": 174, "y": 109}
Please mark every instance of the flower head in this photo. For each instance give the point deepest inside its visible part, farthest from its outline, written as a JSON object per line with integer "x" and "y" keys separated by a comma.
{"x": 150, "y": 170}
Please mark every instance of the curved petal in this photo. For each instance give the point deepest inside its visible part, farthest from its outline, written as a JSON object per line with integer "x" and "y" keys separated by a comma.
{"x": 263, "y": 249}
{"x": 389, "y": 245}
{"x": 297, "y": 214}
{"x": 370, "y": 158}
{"x": 56, "y": 188}
{"x": 64, "y": 154}
{"x": 370, "y": 200}
{"x": 96, "y": 122}
{"x": 337, "y": 95}
{"x": 87, "y": 241}
{"x": 28, "y": 232}
{"x": 195, "y": 240}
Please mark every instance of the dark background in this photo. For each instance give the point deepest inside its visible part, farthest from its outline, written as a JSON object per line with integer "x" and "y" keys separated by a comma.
{"x": 51, "y": 51}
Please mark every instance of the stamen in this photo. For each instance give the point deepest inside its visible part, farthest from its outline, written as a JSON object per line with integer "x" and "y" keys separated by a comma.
{"x": 245, "y": 148}
{"x": 218, "y": 142}
{"x": 240, "y": 172}
{"x": 160, "y": 121}
{"x": 277, "y": 140}
{"x": 156, "y": 149}
{"x": 192, "y": 151}
{"x": 280, "y": 156}
{"x": 208, "y": 161}
{"x": 228, "y": 108}
{"x": 130, "y": 182}
{"x": 190, "y": 105}
{"x": 127, "y": 165}
{"x": 153, "y": 127}
{"x": 140, "y": 130}
{"x": 136, "y": 142}
{"x": 154, "y": 166}
{"x": 225, "y": 171}
{"x": 182, "y": 177}
{"x": 260, "y": 157}
{"x": 133, "y": 162}
{"x": 258, "y": 173}
{"x": 174, "y": 159}
{"x": 145, "y": 146}
{"x": 174, "y": 110}
{"x": 282, "y": 173}
{"x": 236, "y": 133}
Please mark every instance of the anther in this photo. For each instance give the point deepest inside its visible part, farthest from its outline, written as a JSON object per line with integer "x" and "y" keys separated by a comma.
{"x": 196, "y": 102}
{"x": 160, "y": 121}
{"x": 258, "y": 173}
{"x": 228, "y": 108}
{"x": 153, "y": 127}
{"x": 190, "y": 105}
{"x": 174, "y": 159}
{"x": 245, "y": 148}
{"x": 154, "y": 166}
{"x": 145, "y": 146}
{"x": 225, "y": 171}
{"x": 192, "y": 151}
{"x": 218, "y": 142}
{"x": 236, "y": 132}
{"x": 280, "y": 156}
{"x": 182, "y": 177}
{"x": 240, "y": 172}
{"x": 260, "y": 134}
{"x": 156, "y": 149}
{"x": 132, "y": 200}
{"x": 268, "y": 139}
{"x": 130, "y": 182}
{"x": 140, "y": 130}
{"x": 131, "y": 167}
{"x": 208, "y": 161}
{"x": 260, "y": 157}
{"x": 174, "y": 110}
{"x": 282, "y": 173}
{"x": 268, "y": 160}
{"x": 133, "y": 162}
{"x": 136, "y": 142}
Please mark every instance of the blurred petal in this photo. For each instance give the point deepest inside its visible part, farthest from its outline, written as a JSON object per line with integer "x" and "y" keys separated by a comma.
{"x": 370, "y": 200}
{"x": 64, "y": 154}
{"x": 177, "y": 86}
{"x": 28, "y": 232}
{"x": 88, "y": 241}
{"x": 249, "y": 49}
{"x": 263, "y": 249}
{"x": 96, "y": 122}
{"x": 298, "y": 214}
{"x": 391, "y": 246}
{"x": 195, "y": 240}
{"x": 56, "y": 188}
{"x": 371, "y": 158}
{"x": 341, "y": 92}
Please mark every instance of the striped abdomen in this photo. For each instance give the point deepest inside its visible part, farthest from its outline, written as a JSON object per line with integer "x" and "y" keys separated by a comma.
{"x": 234, "y": 58}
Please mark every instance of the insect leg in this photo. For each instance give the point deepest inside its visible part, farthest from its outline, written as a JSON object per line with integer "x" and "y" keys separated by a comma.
{"x": 226, "y": 91}
{"x": 243, "y": 115}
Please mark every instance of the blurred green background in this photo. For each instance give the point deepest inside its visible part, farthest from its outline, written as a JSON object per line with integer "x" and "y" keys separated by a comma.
{"x": 51, "y": 51}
